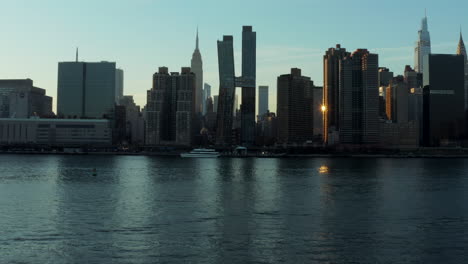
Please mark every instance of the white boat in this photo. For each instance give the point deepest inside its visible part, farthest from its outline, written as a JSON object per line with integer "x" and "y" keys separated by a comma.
{"x": 201, "y": 153}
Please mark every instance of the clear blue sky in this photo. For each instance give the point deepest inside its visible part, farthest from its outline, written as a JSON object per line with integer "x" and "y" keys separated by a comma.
{"x": 142, "y": 35}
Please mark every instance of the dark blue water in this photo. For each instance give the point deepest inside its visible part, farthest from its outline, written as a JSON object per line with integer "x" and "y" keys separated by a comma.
{"x": 172, "y": 210}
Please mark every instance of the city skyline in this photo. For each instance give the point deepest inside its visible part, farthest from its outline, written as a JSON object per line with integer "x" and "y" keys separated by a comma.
{"x": 139, "y": 52}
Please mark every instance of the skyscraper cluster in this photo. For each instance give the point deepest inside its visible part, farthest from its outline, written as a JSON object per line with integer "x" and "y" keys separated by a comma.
{"x": 362, "y": 105}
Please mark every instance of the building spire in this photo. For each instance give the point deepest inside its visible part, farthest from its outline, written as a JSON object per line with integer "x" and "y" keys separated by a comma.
{"x": 461, "y": 49}
{"x": 196, "y": 45}
{"x": 76, "y": 55}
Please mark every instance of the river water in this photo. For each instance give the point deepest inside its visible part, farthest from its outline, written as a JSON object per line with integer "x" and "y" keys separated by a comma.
{"x": 141, "y": 209}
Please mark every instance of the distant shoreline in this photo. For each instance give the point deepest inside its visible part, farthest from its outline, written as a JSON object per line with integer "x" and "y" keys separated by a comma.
{"x": 286, "y": 156}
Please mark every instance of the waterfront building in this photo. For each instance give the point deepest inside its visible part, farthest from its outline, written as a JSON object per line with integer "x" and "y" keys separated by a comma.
{"x": 331, "y": 89}
{"x": 262, "y": 100}
{"x": 55, "y": 132}
{"x": 197, "y": 69}
{"x": 359, "y": 98}
{"x": 86, "y": 89}
{"x": 170, "y": 108}
{"x": 21, "y": 99}
{"x": 444, "y": 100}
{"x": 228, "y": 83}
{"x": 295, "y": 108}
{"x": 423, "y": 46}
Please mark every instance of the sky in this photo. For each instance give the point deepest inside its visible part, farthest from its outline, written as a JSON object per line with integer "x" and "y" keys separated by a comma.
{"x": 143, "y": 35}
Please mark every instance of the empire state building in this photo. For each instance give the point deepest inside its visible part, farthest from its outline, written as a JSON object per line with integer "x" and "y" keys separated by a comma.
{"x": 197, "y": 69}
{"x": 423, "y": 46}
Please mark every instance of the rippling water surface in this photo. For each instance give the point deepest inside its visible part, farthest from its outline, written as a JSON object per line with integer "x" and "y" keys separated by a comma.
{"x": 156, "y": 210}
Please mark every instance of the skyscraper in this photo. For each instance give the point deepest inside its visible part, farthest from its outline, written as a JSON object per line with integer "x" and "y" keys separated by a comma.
{"x": 228, "y": 83}
{"x": 206, "y": 95}
{"x": 295, "y": 108}
{"x": 170, "y": 108}
{"x": 197, "y": 69}
{"x": 423, "y": 46}
{"x": 331, "y": 90}
{"x": 444, "y": 100}
{"x": 86, "y": 89}
{"x": 461, "y": 50}
{"x": 249, "y": 69}
{"x": 262, "y": 100}
{"x": 359, "y": 98}
{"x": 119, "y": 85}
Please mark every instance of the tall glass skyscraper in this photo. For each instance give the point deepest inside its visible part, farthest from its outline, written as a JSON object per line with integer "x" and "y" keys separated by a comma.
{"x": 249, "y": 51}
{"x": 86, "y": 89}
{"x": 228, "y": 83}
{"x": 423, "y": 46}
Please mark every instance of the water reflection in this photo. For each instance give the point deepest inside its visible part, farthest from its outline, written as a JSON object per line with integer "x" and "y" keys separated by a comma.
{"x": 150, "y": 210}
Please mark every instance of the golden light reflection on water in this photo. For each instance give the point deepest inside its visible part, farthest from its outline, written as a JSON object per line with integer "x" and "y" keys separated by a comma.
{"x": 323, "y": 169}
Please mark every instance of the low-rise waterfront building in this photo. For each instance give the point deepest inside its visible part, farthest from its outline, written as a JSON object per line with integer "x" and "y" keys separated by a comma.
{"x": 55, "y": 132}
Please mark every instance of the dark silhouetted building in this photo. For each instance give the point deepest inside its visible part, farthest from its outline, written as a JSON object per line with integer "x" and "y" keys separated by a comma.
{"x": 228, "y": 83}
{"x": 397, "y": 100}
{"x": 461, "y": 50}
{"x": 359, "y": 98}
{"x": 331, "y": 88}
{"x": 170, "y": 108}
{"x": 295, "y": 108}
{"x": 444, "y": 100}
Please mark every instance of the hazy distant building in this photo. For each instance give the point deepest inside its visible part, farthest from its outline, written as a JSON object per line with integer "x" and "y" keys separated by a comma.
{"x": 197, "y": 69}
{"x": 444, "y": 99}
{"x": 295, "y": 108}
{"x": 20, "y": 99}
{"x": 86, "y": 89}
{"x": 359, "y": 98}
{"x": 119, "y": 85}
{"x": 461, "y": 50}
{"x": 206, "y": 95}
{"x": 397, "y": 100}
{"x": 331, "y": 88}
{"x": 228, "y": 83}
{"x": 262, "y": 100}
{"x": 423, "y": 46}
{"x": 170, "y": 108}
